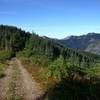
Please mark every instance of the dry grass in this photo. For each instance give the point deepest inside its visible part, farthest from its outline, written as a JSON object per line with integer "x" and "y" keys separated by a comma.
{"x": 39, "y": 74}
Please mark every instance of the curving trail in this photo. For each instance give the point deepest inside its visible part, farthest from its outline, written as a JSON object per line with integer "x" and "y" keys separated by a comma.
{"x": 18, "y": 84}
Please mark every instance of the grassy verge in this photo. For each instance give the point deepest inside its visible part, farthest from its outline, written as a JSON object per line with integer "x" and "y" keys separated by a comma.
{"x": 4, "y": 56}
{"x": 2, "y": 67}
{"x": 40, "y": 75}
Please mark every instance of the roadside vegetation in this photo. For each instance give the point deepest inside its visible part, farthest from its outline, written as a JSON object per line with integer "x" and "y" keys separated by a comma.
{"x": 61, "y": 71}
{"x": 4, "y": 56}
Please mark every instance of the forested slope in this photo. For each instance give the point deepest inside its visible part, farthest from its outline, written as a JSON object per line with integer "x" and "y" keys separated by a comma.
{"x": 12, "y": 38}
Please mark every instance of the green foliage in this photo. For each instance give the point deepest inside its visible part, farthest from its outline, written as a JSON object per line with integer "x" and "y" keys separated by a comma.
{"x": 75, "y": 90}
{"x": 38, "y": 45}
{"x": 34, "y": 59}
{"x": 94, "y": 71}
{"x": 5, "y": 55}
{"x": 79, "y": 83}
{"x": 12, "y": 38}
{"x": 40, "y": 61}
{"x": 2, "y": 67}
{"x": 57, "y": 68}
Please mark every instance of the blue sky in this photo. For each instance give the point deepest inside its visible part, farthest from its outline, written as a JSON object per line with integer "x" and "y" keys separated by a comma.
{"x": 53, "y": 18}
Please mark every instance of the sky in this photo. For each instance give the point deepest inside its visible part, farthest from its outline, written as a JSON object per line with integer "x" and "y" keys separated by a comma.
{"x": 52, "y": 18}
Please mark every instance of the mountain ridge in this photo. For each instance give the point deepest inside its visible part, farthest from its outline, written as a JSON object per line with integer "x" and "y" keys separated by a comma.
{"x": 89, "y": 42}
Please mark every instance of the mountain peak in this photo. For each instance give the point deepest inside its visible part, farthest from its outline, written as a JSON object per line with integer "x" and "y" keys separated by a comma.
{"x": 89, "y": 42}
{"x": 93, "y": 33}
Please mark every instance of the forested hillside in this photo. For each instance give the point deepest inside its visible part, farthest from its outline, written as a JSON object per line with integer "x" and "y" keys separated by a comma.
{"x": 12, "y": 38}
{"x": 76, "y": 73}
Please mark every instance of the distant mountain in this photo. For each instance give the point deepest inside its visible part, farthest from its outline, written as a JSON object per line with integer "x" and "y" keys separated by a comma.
{"x": 89, "y": 42}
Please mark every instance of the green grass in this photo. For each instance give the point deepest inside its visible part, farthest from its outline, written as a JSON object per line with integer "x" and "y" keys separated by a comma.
{"x": 2, "y": 67}
{"x": 5, "y": 55}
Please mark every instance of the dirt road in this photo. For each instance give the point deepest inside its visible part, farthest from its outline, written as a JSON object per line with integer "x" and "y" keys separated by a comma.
{"x": 17, "y": 84}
